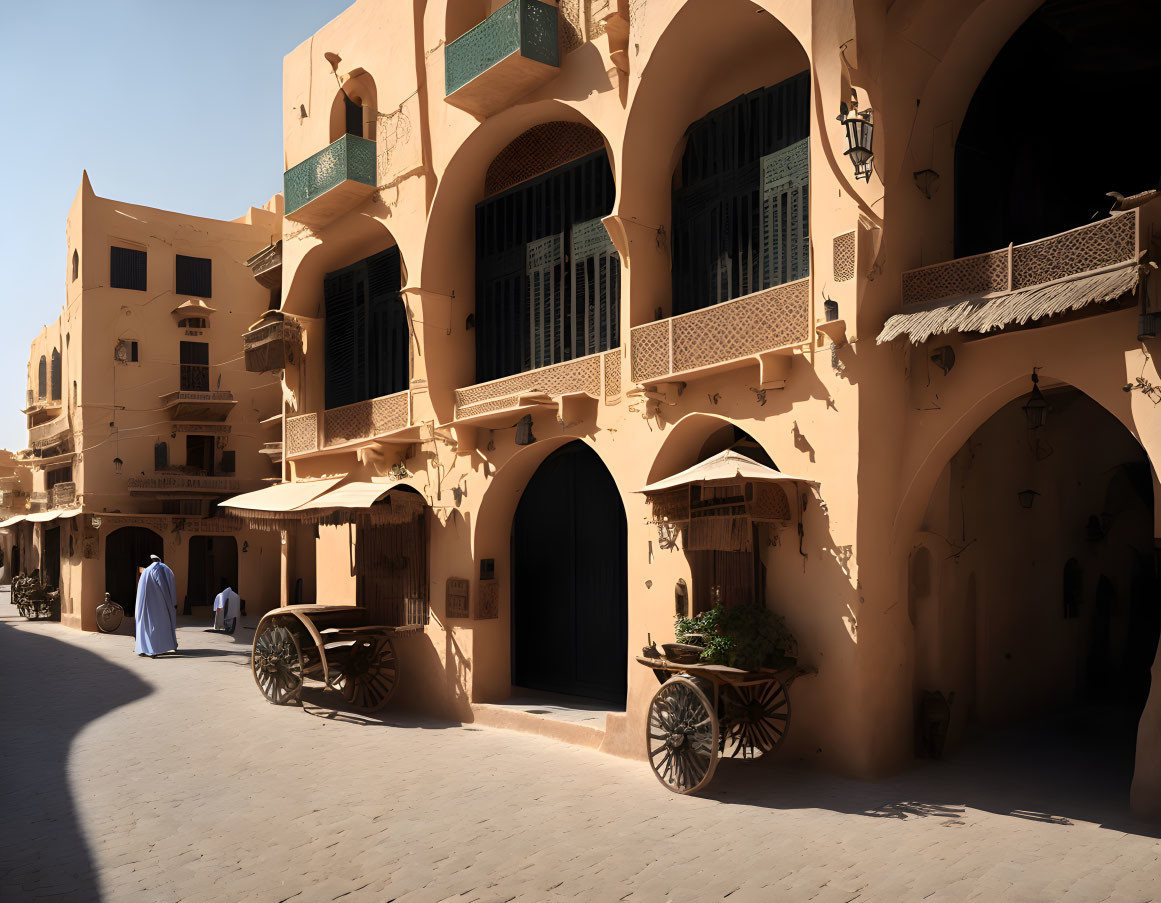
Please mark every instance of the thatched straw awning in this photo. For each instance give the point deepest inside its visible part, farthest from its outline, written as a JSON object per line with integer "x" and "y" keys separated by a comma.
{"x": 985, "y": 313}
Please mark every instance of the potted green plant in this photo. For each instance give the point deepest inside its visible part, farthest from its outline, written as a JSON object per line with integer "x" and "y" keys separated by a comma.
{"x": 746, "y": 636}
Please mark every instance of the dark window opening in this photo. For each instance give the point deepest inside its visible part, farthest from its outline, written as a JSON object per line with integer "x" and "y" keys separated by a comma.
{"x": 194, "y": 276}
{"x": 133, "y": 352}
{"x": 741, "y": 197}
{"x": 227, "y": 465}
{"x": 60, "y": 475}
{"x": 365, "y": 337}
{"x": 199, "y": 454}
{"x": 56, "y": 376}
{"x": 160, "y": 455}
{"x": 76, "y": 265}
{"x": 195, "y": 367}
{"x": 42, "y": 378}
{"x": 354, "y": 117}
{"x": 547, "y": 274}
{"x": 1027, "y": 168}
{"x": 192, "y": 323}
{"x": 127, "y": 268}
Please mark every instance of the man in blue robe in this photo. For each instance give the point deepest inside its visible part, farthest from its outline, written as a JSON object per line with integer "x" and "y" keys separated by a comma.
{"x": 155, "y": 613}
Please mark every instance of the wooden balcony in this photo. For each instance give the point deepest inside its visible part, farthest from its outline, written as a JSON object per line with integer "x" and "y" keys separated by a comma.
{"x": 326, "y": 185}
{"x": 210, "y": 407}
{"x": 563, "y": 386}
{"x": 510, "y": 53}
{"x": 764, "y": 328}
{"x": 49, "y": 434}
{"x": 384, "y": 419}
{"x": 187, "y": 485}
{"x": 273, "y": 343}
{"x": 1021, "y": 285}
{"x": 63, "y": 495}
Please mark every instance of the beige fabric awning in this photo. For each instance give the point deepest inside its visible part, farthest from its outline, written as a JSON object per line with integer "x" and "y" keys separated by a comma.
{"x": 349, "y": 495}
{"x": 985, "y": 313}
{"x": 43, "y": 517}
{"x": 724, "y": 467}
{"x": 12, "y": 521}
{"x": 281, "y": 497}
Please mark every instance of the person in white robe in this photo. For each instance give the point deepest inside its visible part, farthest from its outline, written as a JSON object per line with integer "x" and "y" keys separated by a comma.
{"x": 155, "y": 613}
{"x": 226, "y": 605}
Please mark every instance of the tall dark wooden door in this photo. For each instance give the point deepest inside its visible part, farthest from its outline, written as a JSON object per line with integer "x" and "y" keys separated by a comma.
{"x": 569, "y": 579}
{"x": 213, "y": 563}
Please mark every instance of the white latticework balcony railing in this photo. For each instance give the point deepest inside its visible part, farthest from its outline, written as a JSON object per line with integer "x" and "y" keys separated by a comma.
{"x": 376, "y": 418}
{"x": 736, "y": 331}
{"x": 594, "y": 376}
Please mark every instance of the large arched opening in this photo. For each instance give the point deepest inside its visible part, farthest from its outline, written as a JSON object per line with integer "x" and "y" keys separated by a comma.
{"x": 569, "y": 579}
{"x": 1032, "y": 595}
{"x": 716, "y": 156}
{"x": 213, "y": 565}
{"x": 1056, "y": 123}
{"x": 127, "y": 550}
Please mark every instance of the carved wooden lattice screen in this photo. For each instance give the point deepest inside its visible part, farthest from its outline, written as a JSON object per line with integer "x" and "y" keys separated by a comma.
{"x": 524, "y": 271}
{"x": 740, "y": 210}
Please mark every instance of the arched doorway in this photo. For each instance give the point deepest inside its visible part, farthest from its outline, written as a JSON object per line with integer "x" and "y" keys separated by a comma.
{"x": 126, "y": 550}
{"x": 213, "y": 565}
{"x": 569, "y": 579}
{"x": 1033, "y": 592}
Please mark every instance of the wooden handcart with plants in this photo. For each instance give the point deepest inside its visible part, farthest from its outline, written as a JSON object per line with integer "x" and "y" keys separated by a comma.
{"x": 332, "y": 645}
{"x": 725, "y": 685}
{"x": 717, "y": 697}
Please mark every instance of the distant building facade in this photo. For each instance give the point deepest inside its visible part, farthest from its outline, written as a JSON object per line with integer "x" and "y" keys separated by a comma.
{"x": 141, "y": 415}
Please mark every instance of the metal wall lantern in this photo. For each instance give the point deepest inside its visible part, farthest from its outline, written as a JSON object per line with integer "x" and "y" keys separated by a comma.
{"x": 1036, "y": 407}
{"x": 1027, "y": 497}
{"x": 860, "y": 128}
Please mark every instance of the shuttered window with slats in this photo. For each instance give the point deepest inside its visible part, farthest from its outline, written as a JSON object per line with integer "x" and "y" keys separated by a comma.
{"x": 194, "y": 276}
{"x": 365, "y": 338}
{"x": 741, "y": 201}
{"x": 127, "y": 267}
{"x": 538, "y": 302}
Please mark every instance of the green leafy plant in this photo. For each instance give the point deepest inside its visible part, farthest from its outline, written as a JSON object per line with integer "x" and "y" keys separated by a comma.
{"x": 743, "y": 636}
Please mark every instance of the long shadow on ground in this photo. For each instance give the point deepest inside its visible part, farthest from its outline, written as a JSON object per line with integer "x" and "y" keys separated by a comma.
{"x": 47, "y": 693}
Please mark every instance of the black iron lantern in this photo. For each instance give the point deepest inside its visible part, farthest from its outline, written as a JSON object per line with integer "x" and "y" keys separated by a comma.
{"x": 1036, "y": 407}
{"x": 860, "y": 128}
{"x": 1027, "y": 497}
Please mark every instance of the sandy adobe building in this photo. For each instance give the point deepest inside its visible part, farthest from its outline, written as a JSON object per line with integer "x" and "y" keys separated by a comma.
{"x": 141, "y": 414}
{"x": 15, "y": 500}
{"x": 537, "y": 257}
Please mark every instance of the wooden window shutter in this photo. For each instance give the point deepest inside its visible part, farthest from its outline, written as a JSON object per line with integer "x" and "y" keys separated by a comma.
{"x": 785, "y": 206}
{"x": 56, "y": 375}
{"x": 42, "y": 378}
{"x": 160, "y": 455}
{"x": 194, "y": 276}
{"x": 127, "y": 268}
{"x": 339, "y": 339}
{"x": 596, "y": 290}
{"x": 545, "y": 271}
{"x": 228, "y": 461}
{"x": 388, "y": 356}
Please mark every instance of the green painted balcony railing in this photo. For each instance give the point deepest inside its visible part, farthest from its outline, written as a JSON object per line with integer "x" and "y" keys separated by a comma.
{"x": 524, "y": 26}
{"x": 351, "y": 158}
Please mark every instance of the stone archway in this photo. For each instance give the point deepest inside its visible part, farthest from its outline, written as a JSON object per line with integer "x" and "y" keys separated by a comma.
{"x": 126, "y": 550}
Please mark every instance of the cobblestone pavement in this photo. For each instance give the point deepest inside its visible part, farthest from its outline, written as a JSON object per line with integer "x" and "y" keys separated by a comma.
{"x": 160, "y": 780}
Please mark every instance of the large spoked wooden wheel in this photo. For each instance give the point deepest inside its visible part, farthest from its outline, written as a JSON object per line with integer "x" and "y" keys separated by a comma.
{"x": 368, "y": 673}
{"x": 277, "y": 665}
{"x": 109, "y": 616}
{"x": 755, "y": 719}
{"x": 682, "y": 735}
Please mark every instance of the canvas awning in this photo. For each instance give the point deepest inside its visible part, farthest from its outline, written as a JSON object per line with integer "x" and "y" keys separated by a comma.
{"x": 12, "y": 521}
{"x": 725, "y": 467}
{"x": 985, "y": 313}
{"x": 279, "y": 498}
{"x": 42, "y": 517}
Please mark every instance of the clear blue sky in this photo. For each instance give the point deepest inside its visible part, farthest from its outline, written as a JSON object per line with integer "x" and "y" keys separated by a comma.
{"x": 170, "y": 105}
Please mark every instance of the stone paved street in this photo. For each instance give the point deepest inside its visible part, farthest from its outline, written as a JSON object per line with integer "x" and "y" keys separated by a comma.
{"x": 160, "y": 780}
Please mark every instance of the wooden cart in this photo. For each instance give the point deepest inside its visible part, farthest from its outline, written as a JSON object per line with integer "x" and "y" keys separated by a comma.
{"x": 332, "y": 644}
{"x": 34, "y": 600}
{"x": 703, "y": 712}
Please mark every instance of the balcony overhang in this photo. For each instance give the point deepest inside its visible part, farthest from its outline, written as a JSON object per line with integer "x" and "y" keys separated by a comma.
{"x": 51, "y": 406}
{"x": 266, "y": 266}
{"x": 766, "y": 329}
{"x": 213, "y": 407}
{"x": 187, "y": 486}
{"x": 377, "y": 421}
{"x": 512, "y": 52}
{"x": 326, "y": 185}
{"x": 1070, "y": 273}
{"x": 571, "y": 388}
